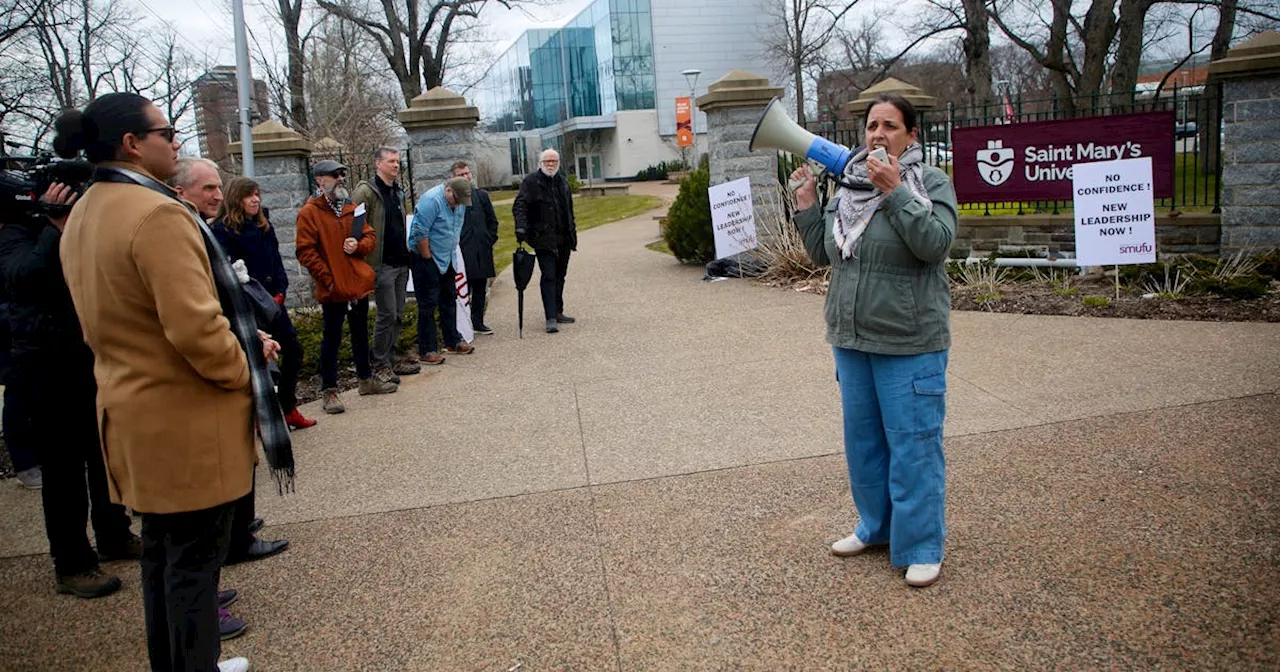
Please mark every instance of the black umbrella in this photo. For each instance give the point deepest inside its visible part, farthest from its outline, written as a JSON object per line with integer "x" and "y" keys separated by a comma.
{"x": 522, "y": 263}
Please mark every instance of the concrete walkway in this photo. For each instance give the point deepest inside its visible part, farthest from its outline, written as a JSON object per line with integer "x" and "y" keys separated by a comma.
{"x": 655, "y": 487}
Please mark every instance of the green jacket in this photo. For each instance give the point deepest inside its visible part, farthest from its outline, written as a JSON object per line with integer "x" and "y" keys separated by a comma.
{"x": 367, "y": 193}
{"x": 893, "y": 297}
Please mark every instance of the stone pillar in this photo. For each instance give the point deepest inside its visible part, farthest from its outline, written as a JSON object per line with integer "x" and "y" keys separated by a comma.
{"x": 1250, "y": 78}
{"x": 280, "y": 157}
{"x": 442, "y": 129}
{"x": 733, "y": 105}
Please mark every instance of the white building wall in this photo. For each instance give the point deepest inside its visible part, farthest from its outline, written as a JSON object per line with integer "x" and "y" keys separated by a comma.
{"x": 714, "y": 36}
{"x": 637, "y": 144}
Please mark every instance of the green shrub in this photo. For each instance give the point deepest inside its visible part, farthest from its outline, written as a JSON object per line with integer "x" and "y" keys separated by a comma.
{"x": 689, "y": 233}
{"x": 1269, "y": 263}
{"x": 1252, "y": 286}
{"x": 310, "y": 328}
{"x": 574, "y": 183}
{"x": 661, "y": 171}
{"x": 1095, "y": 301}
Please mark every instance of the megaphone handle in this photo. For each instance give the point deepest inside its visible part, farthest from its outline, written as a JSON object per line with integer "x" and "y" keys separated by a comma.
{"x": 817, "y": 176}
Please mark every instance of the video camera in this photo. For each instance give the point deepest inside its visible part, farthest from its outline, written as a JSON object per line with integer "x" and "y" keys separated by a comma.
{"x": 24, "y": 179}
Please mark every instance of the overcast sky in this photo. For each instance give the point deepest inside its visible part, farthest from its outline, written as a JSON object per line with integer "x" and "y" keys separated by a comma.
{"x": 207, "y": 27}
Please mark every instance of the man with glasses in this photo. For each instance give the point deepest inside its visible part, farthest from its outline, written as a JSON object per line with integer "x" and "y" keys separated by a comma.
{"x": 543, "y": 211}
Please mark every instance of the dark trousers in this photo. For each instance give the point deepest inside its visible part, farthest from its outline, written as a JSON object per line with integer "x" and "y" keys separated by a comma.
{"x": 17, "y": 426}
{"x": 435, "y": 290}
{"x": 290, "y": 361}
{"x": 245, "y": 510}
{"x": 182, "y": 556}
{"x": 553, "y": 265}
{"x": 479, "y": 292}
{"x": 64, "y": 404}
{"x": 356, "y": 314}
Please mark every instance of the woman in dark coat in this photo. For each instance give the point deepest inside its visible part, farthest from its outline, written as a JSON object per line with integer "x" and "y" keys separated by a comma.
{"x": 244, "y": 233}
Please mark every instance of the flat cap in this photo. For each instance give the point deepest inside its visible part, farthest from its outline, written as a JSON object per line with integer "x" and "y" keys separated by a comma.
{"x": 328, "y": 167}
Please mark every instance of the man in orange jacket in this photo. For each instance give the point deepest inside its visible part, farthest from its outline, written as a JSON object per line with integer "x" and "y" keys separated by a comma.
{"x": 332, "y": 249}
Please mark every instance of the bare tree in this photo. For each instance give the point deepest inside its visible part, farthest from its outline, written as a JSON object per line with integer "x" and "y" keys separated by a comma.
{"x": 348, "y": 100}
{"x": 798, "y": 36}
{"x": 414, "y": 36}
{"x": 69, "y": 51}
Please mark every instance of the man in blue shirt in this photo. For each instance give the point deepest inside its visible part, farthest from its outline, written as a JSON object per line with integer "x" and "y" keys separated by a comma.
{"x": 433, "y": 235}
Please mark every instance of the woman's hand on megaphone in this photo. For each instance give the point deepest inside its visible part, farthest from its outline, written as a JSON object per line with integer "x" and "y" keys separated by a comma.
{"x": 807, "y": 192}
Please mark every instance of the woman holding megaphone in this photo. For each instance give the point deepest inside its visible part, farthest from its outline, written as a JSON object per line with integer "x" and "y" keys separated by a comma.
{"x": 887, "y": 236}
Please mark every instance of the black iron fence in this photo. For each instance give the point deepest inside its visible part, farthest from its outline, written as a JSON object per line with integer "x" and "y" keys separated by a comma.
{"x": 1197, "y": 140}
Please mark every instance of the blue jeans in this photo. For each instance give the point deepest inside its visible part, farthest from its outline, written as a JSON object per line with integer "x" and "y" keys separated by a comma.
{"x": 894, "y": 406}
{"x": 433, "y": 289}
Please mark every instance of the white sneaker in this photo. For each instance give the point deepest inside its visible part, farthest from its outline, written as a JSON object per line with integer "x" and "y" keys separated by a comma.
{"x": 235, "y": 665}
{"x": 850, "y": 545}
{"x": 923, "y": 575}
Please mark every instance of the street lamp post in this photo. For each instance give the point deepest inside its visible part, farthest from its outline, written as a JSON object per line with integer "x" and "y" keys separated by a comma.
{"x": 691, "y": 76}
{"x": 520, "y": 149}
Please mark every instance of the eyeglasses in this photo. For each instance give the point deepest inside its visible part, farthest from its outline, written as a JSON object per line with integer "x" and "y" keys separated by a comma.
{"x": 166, "y": 132}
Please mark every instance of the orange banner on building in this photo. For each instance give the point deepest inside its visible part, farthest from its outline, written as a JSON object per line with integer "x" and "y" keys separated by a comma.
{"x": 684, "y": 122}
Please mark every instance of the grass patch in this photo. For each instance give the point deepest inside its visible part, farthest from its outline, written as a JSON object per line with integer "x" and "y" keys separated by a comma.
{"x": 589, "y": 211}
{"x": 659, "y": 246}
{"x": 1095, "y": 301}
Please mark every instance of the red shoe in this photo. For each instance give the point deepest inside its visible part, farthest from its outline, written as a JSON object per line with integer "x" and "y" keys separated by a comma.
{"x": 296, "y": 420}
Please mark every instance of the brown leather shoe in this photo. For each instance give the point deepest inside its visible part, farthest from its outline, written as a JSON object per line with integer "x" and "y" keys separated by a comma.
{"x": 129, "y": 549}
{"x": 460, "y": 349}
{"x": 88, "y": 585}
{"x": 431, "y": 359}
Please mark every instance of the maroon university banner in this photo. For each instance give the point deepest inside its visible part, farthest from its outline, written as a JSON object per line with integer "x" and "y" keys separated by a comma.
{"x": 1032, "y": 161}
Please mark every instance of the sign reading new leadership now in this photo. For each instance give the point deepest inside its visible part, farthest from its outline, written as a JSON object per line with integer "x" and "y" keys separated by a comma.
{"x": 1032, "y": 161}
{"x": 733, "y": 217}
{"x": 1115, "y": 213}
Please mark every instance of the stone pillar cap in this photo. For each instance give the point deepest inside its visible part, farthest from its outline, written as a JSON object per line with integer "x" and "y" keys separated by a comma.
{"x": 327, "y": 145}
{"x": 439, "y": 107}
{"x": 1256, "y": 57}
{"x": 738, "y": 88}
{"x": 914, "y": 94}
{"x": 272, "y": 138}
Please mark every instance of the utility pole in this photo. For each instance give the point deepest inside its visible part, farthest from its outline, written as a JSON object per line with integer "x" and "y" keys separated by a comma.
{"x": 243, "y": 87}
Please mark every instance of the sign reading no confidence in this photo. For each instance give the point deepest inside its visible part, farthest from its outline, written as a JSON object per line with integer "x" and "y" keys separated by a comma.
{"x": 733, "y": 217}
{"x": 1115, "y": 212}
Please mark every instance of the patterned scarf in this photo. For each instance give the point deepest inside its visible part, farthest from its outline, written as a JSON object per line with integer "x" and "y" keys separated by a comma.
{"x": 859, "y": 201}
{"x": 270, "y": 421}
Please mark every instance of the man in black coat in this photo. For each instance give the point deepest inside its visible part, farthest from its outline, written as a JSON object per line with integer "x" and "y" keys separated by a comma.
{"x": 479, "y": 233}
{"x": 544, "y": 216}
{"x": 56, "y": 371}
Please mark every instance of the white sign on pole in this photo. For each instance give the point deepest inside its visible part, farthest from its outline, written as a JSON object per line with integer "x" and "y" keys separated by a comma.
{"x": 1115, "y": 212}
{"x": 733, "y": 217}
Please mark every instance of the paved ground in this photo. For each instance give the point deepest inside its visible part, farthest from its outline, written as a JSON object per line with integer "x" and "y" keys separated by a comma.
{"x": 655, "y": 488}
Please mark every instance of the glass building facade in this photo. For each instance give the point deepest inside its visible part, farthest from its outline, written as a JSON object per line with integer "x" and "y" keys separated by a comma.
{"x": 600, "y": 62}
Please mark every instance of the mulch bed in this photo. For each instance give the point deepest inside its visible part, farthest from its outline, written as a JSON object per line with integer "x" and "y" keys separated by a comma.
{"x": 1030, "y": 299}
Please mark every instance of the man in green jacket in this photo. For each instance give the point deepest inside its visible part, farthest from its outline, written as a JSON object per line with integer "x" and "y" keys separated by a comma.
{"x": 383, "y": 202}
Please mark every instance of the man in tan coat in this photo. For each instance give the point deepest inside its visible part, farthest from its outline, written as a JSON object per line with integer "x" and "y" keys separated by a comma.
{"x": 175, "y": 407}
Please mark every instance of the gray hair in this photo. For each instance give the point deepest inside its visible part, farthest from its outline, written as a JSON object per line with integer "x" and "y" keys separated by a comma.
{"x": 543, "y": 156}
{"x": 382, "y": 152}
{"x": 185, "y": 176}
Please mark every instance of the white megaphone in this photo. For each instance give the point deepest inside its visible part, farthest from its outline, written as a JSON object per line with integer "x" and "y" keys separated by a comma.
{"x": 777, "y": 131}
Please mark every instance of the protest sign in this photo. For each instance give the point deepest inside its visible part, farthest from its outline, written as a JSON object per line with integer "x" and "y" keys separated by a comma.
{"x": 733, "y": 217}
{"x": 1114, "y": 212}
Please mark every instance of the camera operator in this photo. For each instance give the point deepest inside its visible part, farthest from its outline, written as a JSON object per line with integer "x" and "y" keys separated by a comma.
{"x": 55, "y": 370}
